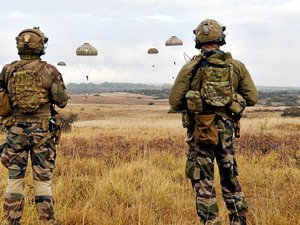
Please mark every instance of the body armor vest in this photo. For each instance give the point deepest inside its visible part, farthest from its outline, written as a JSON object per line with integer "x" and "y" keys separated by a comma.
{"x": 27, "y": 94}
{"x": 216, "y": 82}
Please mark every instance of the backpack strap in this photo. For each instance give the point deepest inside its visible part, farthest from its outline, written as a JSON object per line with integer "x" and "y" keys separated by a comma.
{"x": 13, "y": 67}
{"x": 40, "y": 66}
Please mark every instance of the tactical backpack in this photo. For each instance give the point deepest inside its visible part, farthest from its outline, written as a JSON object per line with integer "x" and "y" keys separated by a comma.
{"x": 216, "y": 86}
{"x": 28, "y": 93}
{"x": 182, "y": 84}
{"x": 206, "y": 80}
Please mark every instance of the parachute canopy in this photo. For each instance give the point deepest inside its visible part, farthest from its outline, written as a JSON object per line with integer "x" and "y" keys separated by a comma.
{"x": 86, "y": 50}
{"x": 61, "y": 63}
{"x": 152, "y": 51}
{"x": 173, "y": 41}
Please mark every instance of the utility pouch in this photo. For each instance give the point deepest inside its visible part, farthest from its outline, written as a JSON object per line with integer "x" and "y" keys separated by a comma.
{"x": 206, "y": 131}
{"x": 194, "y": 101}
{"x": 5, "y": 107}
{"x": 238, "y": 104}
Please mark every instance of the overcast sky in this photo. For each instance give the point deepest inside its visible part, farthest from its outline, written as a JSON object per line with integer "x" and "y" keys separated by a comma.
{"x": 264, "y": 35}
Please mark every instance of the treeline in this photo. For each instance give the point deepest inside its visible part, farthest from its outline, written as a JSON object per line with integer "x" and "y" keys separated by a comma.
{"x": 91, "y": 88}
{"x": 269, "y": 96}
{"x": 280, "y": 98}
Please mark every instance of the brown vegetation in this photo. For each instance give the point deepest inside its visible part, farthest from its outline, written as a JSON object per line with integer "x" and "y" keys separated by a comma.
{"x": 123, "y": 164}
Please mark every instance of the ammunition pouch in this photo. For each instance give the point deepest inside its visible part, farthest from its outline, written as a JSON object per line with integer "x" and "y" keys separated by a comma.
{"x": 194, "y": 101}
{"x": 205, "y": 130}
{"x": 238, "y": 104}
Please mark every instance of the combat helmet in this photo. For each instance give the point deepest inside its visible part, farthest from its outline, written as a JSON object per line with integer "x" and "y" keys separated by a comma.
{"x": 31, "y": 42}
{"x": 209, "y": 31}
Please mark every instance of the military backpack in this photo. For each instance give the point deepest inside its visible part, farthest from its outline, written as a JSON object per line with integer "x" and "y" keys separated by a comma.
{"x": 28, "y": 93}
{"x": 216, "y": 86}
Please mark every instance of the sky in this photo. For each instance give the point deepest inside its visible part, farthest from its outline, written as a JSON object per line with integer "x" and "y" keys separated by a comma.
{"x": 264, "y": 35}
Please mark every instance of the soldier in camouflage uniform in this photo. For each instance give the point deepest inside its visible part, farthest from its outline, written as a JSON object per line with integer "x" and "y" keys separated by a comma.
{"x": 220, "y": 88}
{"x": 33, "y": 87}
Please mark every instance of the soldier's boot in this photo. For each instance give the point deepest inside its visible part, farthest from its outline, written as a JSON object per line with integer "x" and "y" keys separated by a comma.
{"x": 13, "y": 208}
{"x": 238, "y": 220}
{"x": 45, "y": 208}
{"x": 215, "y": 221}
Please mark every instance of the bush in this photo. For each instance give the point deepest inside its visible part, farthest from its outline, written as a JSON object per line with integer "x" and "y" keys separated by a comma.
{"x": 291, "y": 112}
{"x": 67, "y": 120}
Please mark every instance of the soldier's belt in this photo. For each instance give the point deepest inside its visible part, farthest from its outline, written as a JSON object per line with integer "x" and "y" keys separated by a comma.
{"x": 26, "y": 121}
{"x": 23, "y": 124}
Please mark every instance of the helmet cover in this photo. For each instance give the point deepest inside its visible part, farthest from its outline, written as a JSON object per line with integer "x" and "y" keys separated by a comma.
{"x": 31, "y": 42}
{"x": 209, "y": 31}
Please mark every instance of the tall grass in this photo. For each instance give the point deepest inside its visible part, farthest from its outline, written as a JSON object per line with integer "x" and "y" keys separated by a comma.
{"x": 126, "y": 167}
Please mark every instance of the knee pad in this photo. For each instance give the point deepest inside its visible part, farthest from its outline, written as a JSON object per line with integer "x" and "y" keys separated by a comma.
{"x": 15, "y": 186}
{"x": 42, "y": 188}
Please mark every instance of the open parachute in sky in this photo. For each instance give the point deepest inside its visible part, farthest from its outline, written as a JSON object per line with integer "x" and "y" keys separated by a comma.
{"x": 173, "y": 41}
{"x": 152, "y": 51}
{"x": 61, "y": 63}
{"x": 86, "y": 50}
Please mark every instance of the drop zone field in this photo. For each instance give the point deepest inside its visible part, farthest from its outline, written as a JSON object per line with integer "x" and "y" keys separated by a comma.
{"x": 123, "y": 164}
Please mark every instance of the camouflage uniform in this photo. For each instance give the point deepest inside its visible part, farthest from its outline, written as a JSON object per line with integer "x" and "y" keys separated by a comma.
{"x": 211, "y": 91}
{"x": 28, "y": 135}
{"x": 201, "y": 154}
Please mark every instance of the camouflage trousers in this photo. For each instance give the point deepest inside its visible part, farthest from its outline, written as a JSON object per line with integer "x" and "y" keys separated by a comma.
{"x": 19, "y": 147}
{"x": 200, "y": 171}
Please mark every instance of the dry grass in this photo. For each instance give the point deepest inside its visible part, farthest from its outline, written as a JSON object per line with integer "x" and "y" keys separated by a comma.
{"x": 123, "y": 164}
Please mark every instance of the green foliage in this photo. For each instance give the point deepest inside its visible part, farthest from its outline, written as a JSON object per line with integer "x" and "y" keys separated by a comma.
{"x": 67, "y": 120}
{"x": 285, "y": 97}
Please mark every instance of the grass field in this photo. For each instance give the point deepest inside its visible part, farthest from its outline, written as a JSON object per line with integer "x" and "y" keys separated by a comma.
{"x": 123, "y": 164}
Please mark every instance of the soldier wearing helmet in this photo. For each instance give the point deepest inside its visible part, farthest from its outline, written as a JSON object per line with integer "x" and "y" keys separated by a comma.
{"x": 209, "y": 32}
{"x": 33, "y": 87}
{"x": 212, "y": 91}
{"x": 31, "y": 42}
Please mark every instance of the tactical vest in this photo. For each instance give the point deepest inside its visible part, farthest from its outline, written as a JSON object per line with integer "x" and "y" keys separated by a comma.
{"x": 28, "y": 94}
{"x": 216, "y": 86}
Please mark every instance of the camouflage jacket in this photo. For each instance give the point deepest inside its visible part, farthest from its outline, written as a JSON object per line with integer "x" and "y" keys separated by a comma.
{"x": 50, "y": 77}
{"x": 241, "y": 81}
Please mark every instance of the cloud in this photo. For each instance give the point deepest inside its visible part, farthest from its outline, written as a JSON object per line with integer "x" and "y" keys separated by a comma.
{"x": 262, "y": 34}
{"x": 160, "y": 18}
{"x": 17, "y": 15}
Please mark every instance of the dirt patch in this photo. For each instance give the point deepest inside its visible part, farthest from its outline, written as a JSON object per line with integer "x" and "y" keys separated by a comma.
{"x": 116, "y": 98}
